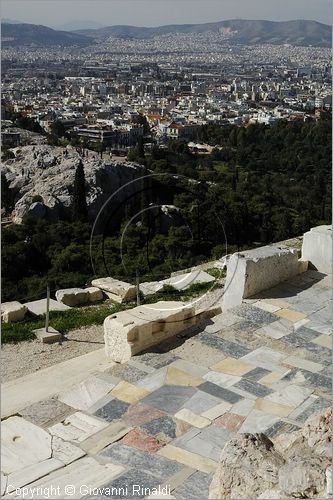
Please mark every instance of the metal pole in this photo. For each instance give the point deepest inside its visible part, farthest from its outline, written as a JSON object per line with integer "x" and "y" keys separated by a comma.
{"x": 137, "y": 289}
{"x": 47, "y": 308}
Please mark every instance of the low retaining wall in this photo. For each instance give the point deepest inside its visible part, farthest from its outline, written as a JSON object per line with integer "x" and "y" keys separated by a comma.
{"x": 252, "y": 271}
{"x": 129, "y": 332}
{"x": 317, "y": 248}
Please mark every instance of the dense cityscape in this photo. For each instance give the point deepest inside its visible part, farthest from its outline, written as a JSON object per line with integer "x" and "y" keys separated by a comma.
{"x": 177, "y": 81}
{"x": 166, "y": 208}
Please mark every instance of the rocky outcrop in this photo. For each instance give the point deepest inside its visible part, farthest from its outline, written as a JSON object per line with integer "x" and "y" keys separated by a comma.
{"x": 48, "y": 172}
{"x": 296, "y": 465}
{"x": 249, "y": 465}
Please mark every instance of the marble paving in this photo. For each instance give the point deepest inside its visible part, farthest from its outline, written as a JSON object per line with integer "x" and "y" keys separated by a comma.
{"x": 162, "y": 418}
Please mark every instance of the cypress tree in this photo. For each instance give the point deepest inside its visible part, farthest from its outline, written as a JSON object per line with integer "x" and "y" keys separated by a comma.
{"x": 79, "y": 202}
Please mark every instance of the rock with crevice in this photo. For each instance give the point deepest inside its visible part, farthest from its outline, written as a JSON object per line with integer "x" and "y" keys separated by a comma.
{"x": 249, "y": 465}
{"x": 297, "y": 465}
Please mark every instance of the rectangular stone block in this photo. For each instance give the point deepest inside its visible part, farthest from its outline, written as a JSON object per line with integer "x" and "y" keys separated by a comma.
{"x": 72, "y": 296}
{"x": 252, "y": 271}
{"x": 130, "y": 332}
{"x": 317, "y": 248}
{"x": 48, "y": 337}
{"x": 12, "y": 311}
{"x": 116, "y": 290}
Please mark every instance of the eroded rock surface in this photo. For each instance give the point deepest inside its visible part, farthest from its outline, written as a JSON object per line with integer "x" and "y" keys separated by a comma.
{"x": 297, "y": 465}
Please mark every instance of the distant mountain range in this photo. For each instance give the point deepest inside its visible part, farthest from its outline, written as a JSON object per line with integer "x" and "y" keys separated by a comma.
{"x": 248, "y": 32}
{"x": 298, "y": 32}
{"x": 16, "y": 34}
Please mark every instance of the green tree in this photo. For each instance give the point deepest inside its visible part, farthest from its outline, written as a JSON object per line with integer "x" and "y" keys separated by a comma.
{"x": 6, "y": 195}
{"x": 79, "y": 203}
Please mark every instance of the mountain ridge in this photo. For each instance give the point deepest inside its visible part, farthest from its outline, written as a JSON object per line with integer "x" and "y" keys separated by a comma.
{"x": 19, "y": 34}
{"x": 298, "y": 32}
{"x": 295, "y": 32}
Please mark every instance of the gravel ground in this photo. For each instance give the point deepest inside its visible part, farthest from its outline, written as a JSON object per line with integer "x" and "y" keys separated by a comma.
{"x": 30, "y": 356}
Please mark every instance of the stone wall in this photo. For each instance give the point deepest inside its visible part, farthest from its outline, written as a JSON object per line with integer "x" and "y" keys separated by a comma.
{"x": 252, "y": 271}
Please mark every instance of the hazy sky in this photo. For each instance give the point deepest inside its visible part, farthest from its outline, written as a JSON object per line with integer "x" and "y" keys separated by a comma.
{"x": 159, "y": 12}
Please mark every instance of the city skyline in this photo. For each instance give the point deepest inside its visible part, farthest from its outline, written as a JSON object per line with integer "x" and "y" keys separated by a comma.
{"x": 159, "y": 12}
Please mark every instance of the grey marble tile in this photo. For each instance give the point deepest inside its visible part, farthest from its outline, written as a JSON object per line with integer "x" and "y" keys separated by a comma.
{"x": 127, "y": 372}
{"x": 208, "y": 442}
{"x": 317, "y": 380}
{"x": 113, "y": 410}
{"x": 319, "y": 404}
{"x": 165, "y": 425}
{"x": 131, "y": 484}
{"x": 231, "y": 349}
{"x": 301, "y": 337}
{"x": 158, "y": 466}
{"x": 254, "y": 314}
{"x": 169, "y": 398}
{"x": 201, "y": 401}
{"x": 281, "y": 427}
{"x": 258, "y": 390}
{"x": 156, "y": 359}
{"x": 194, "y": 487}
{"x": 46, "y": 412}
{"x": 256, "y": 374}
{"x": 220, "y": 392}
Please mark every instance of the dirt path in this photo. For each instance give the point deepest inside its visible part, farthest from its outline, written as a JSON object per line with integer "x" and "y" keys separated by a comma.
{"x": 30, "y": 356}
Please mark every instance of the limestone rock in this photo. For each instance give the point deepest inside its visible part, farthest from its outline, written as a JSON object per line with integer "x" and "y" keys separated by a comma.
{"x": 317, "y": 431}
{"x": 272, "y": 495}
{"x": 13, "y": 311}
{"x": 116, "y": 290}
{"x": 248, "y": 466}
{"x": 329, "y": 481}
{"x": 49, "y": 171}
{"x": 298, "y": 465}
{"x": 302, "y": 478}
{"x": 72, "y": 296}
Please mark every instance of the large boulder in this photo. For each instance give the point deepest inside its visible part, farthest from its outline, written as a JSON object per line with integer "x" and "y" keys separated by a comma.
{"x": 249, "y": 465}
{"x": 72, "y": 296}
{"x": 116, "y": 290}
{"x": 13, "y": 311}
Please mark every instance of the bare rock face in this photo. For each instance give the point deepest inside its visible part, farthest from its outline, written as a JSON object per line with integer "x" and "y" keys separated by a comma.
{"x": 48, "y": 171}
{"x": 297, "y": 465}
{"x": 317, "y": 432}
{"x": 303, "y": 478}
{"x": 248, "y": 466}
